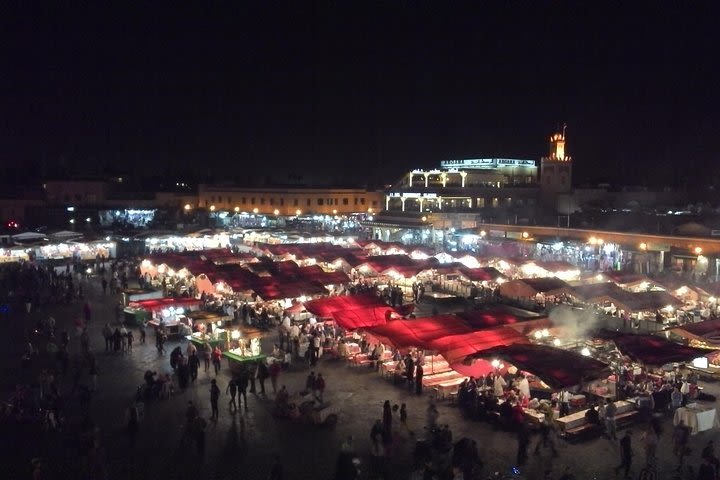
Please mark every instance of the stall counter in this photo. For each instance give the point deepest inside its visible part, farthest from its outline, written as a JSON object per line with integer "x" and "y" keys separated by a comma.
{"x": 234, "y": 357}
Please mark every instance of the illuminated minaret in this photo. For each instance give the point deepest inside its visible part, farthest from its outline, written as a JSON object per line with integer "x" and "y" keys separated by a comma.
{"x": 556, "y": 168}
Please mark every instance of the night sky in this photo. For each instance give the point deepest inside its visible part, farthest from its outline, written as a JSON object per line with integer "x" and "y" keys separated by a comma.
{"x": 362, "y": 90}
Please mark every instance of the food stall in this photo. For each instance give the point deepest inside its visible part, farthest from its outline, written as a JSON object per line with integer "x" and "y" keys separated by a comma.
{"x": 207, "y": 327}
{"x": 160, "y": 310}
{"x": 243, "y": 350}
{"x": 138, "y": 294}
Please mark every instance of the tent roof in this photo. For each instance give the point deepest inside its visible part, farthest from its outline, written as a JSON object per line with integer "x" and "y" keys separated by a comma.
{"x": 708, "y": 328}
{"x": 362, "y": 317}
{"x": 455, "y": 348}
{"x": 325, "y": 307}
{"x": 542, "y": 285}
{"x": 29, "y": 236}
{"x": 626, "y": 278}
{"x": 557, "y": 368}
{"x": 654, "y": 300}
{"x": 597, "y": 291}
{"x": 480, "y": 274}
{"x": 488, "y": 319}
{"x": 421, "y": 331}
{"x": 654, "y": 350}
{"x": 160, "y": 303}
{"x": 556, "y": 266}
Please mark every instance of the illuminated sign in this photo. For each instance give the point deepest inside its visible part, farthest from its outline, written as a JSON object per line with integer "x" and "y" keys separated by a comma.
{"x": 482, "y": 163}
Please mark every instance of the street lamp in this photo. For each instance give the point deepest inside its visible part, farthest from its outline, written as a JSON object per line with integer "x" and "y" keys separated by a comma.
{"x": 237, "y": 209}
{"x": 187, "y": 207}
{"x": 335, "y": 211}
{"x": 424, "y": 218}
{"x": 72, "y": 220}
{"x": 212, "y": 208}
{"x": 298, "y": 212}
{"x": 698, "y": 250}
{"x": 643, "y": 246}
{"x": 525, "y": 235}
{"x": 88, "y": 219}
{"x": 255, "y": 210}
{"x": 276, "y": 212}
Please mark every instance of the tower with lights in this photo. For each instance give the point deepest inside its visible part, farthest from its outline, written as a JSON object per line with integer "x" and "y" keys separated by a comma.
{"x": 556, "y": 168}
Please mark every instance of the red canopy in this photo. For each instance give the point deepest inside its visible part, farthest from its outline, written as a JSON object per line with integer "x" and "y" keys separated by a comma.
{"x": 456, "y": 347}
{"x": 325, "y": 307}
{"x": 421, "y": 331}
{"x": 478, "y": 368}
{"x": 362, "y": 317}
{"x": 160, "y": 303}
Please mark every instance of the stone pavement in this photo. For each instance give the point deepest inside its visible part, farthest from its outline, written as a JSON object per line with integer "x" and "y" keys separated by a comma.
{"x": 244, "y": 445}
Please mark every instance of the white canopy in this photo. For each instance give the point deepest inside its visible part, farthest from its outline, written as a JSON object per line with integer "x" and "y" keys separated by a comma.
{"x": 25, "y": 236}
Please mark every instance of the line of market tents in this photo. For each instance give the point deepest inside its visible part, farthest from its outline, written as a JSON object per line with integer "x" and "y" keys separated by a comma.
{"x": 470, "y": 341}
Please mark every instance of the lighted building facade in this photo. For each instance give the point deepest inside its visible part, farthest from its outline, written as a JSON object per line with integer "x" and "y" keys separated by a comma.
{"x": 290, "y": 201}
{"x": 466, "y": 185}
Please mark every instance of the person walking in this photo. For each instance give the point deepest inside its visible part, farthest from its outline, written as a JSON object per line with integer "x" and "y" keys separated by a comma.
{"x": 130, "y": 339}
{"x": 193, "y": 366}
{"x": 262, "y": 375}
{"x": 680, "y": 437}
{"x": 387, "y": 417}
{"x": 232, "y": 388}
{"x": 216, "y": 355}
{"x": 207, "y": 353}
{"x": 143, "y": 334}
{"x": 650, "y": 440}
{"x": 418, "y": 379}
{"x": 214, "y": 397}
{"x": 133, "y": 423}
{"x": 319, "y": 387}
{"x": 108, "y": 335}
{"x": 87, "y": 312}
{"x": 274, "y": 371}
{"x": 523, "y": 439}
{"x": 610, "y": 424}
{"x": 626, "y": 454}
{"x": 242, "y": 388}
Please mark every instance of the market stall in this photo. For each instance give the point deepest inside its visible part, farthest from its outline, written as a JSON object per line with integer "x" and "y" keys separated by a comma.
{"x": 243, "y": 351}
{"x": 208, "y": 327}
{"x": 139, "y": 294}
{"x": 166, "y": 309}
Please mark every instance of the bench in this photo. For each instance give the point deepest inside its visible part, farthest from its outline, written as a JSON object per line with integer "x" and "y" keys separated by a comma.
{"x": 626, "y": 418}
{"x": 582, "y": 432}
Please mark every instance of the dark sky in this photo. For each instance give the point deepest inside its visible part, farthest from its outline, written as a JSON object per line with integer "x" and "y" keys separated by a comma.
{"x": 362, "y": 89}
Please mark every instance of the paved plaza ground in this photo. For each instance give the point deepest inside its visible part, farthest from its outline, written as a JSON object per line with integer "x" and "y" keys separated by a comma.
{"x": 242, "y": 446}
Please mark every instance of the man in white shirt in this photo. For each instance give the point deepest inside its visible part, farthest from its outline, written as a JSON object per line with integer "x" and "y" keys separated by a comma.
{"x": 524, "y": 387}
{"x": 564, "y": 399}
